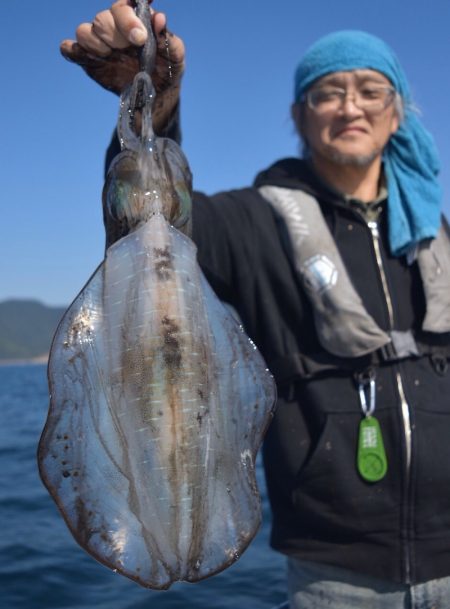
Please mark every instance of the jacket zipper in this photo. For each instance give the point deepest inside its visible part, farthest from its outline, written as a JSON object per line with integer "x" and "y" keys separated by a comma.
{"x": 405, "y": 410}
{"x": 376, "y": 243}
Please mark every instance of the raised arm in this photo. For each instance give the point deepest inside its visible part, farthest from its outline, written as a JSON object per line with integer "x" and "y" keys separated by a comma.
{"x": 107, "y": 50}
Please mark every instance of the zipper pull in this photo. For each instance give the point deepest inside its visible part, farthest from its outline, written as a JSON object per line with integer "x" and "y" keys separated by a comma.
{"x": 374, "y": 229}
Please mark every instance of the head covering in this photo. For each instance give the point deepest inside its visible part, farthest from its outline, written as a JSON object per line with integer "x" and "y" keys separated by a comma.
{"x": 410, "y": 158}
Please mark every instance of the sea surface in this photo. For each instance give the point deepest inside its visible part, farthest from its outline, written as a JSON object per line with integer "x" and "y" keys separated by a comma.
{"x": 42, "y": 567}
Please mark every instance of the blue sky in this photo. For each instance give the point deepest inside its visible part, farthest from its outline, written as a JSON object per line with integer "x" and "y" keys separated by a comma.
{"x": 235, "y": 113}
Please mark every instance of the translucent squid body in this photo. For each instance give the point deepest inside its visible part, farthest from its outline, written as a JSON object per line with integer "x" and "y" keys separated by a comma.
{"x": 159, "y": 401}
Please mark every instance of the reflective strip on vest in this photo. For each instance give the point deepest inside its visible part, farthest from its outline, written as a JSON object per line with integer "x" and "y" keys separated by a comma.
{"x": 343, "y": 325}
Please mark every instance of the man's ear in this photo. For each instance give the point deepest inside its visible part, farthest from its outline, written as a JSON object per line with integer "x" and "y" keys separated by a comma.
{"x": 399, "y": 113}
{"x": 395, "y": 122}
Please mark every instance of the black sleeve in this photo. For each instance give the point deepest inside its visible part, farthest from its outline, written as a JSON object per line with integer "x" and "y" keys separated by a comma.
{"x": 223, "y": 232}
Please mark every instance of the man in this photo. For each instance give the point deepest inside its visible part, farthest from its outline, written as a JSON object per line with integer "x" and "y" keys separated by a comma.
{"x": 339, "y": 266}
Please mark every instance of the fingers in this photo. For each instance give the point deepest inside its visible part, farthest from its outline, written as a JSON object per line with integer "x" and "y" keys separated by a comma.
{"x": 67, "y": 48}
{"x": 107, "y": 48}
{"x": 105, "y": 29}
{"x": 88, "y": 38}
{"x": 116, "y": 28}
{"x": 159, "y": 22}
{"x": 127, "y": 24}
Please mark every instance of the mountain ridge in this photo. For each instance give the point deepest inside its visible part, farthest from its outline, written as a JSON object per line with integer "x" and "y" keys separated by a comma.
{"x": 27, "y": 327}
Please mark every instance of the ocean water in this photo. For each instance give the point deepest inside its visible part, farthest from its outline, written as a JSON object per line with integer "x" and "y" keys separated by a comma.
{"x": 42, "y": 567}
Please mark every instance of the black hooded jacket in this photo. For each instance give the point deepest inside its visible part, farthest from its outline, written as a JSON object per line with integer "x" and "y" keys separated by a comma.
{"x": 397, "y": 528}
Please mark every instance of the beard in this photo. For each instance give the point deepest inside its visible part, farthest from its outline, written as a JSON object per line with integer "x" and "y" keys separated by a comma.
{"x": 340, "y": 158}
{"x": 354, "y": 160}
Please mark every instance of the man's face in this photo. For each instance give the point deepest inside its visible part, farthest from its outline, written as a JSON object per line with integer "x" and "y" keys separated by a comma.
{"x": 344, "y": 133}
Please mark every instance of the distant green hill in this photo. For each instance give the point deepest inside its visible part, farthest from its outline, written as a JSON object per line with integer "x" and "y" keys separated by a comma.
{"x": 26, "y": 328}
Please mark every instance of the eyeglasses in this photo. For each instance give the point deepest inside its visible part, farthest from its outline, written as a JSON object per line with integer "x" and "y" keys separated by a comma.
{"x": 370, "y": 99}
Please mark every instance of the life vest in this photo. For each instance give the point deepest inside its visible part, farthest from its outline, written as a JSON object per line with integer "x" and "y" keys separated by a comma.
{"x": 344, "y": 327}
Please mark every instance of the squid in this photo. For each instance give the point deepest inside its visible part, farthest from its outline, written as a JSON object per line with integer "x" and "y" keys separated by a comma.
{"x": 158, "y": 399}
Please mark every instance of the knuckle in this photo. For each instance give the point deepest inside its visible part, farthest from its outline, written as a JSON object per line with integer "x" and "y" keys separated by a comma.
{"x": 119, "y": 3}
{"x": 101, "y": 19}
{"x": 82, "y": 31}
{"x": 124, "y": 16}
{"x": 119, "y": 8}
